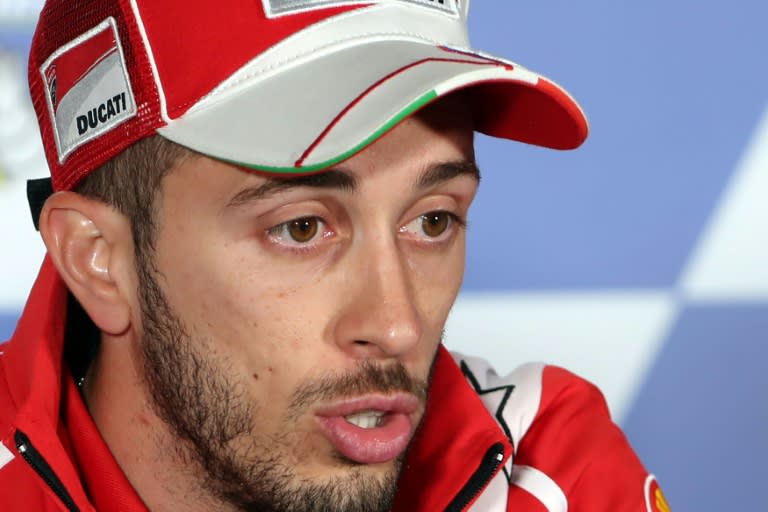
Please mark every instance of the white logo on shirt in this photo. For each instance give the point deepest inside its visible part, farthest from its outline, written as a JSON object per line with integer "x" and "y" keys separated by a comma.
{"x": 6, "y": 455}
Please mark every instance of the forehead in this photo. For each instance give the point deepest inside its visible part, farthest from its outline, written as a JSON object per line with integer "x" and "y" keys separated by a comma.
{"x": 439, "y": 134}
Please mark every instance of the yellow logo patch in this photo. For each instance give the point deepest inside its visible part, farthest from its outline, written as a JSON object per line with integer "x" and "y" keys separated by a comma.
{"x": 654, "y": 497}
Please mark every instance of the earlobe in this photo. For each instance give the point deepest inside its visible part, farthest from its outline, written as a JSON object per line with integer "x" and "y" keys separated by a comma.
{"x": 86, "y": 241}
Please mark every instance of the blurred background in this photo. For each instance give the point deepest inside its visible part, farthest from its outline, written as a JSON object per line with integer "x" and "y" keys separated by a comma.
{"x": 639, "y": 261}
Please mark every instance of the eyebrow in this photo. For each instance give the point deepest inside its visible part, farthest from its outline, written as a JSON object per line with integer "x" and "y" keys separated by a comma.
{"x": 445, "y": 171}
{"x": 330, "y": 179}
{"x": 340, "y": 179}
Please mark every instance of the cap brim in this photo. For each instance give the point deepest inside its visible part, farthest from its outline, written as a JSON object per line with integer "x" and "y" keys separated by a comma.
{"x": 310, "y": 115}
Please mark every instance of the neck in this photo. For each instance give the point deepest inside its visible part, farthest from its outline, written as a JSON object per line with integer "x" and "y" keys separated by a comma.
{"x": 142, "y": 444}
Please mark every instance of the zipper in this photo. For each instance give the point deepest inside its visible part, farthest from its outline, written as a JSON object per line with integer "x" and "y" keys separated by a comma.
{"x": 41, "y": 467}
{"x": 485, "y": 472}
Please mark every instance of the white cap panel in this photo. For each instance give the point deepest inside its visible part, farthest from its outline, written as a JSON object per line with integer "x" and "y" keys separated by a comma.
{"x": 273, "y": 122}
{"x": 387, "y": 100}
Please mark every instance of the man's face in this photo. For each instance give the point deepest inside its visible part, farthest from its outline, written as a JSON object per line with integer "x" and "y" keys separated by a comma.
{"x": 290, "y": 325}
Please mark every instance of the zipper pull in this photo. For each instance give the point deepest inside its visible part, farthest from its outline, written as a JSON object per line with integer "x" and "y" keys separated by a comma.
{"x": 43, "y": 469}
{"x": 490, "y": 464}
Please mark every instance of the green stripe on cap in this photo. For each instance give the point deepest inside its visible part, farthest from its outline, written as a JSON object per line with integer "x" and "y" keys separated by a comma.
{"x": 307, "y": 169}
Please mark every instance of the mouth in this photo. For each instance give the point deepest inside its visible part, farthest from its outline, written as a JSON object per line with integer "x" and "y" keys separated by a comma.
{"x": 370, "y": 430}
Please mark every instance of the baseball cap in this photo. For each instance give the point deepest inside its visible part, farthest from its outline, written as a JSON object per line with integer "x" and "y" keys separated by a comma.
{"x": 280, "y": 86}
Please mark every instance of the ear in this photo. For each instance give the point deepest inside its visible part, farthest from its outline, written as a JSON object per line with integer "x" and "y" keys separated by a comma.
{"x": 91, "y": 245}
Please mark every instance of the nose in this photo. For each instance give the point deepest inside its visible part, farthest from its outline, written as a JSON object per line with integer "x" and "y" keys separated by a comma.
{"x": 380, "y": 317}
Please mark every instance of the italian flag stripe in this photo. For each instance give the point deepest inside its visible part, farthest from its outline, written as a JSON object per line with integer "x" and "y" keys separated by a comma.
{"x": 308, "y": 169}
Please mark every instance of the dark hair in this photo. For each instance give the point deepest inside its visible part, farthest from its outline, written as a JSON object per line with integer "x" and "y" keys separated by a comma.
{"x": 130, "y": 183}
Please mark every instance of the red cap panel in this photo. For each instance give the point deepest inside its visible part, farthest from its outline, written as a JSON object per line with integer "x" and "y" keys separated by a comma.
{"x": 194, "y": 52}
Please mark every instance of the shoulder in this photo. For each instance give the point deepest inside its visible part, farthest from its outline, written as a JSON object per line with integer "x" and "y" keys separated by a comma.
{"x": 567, "y": 449}
{"x": 8, "y": 407}
{"x": 21, "y": 489}
{"x": 25, "y": 491}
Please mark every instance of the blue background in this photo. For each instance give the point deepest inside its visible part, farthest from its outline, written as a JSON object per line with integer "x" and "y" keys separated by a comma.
{"x": 673, "y": 91}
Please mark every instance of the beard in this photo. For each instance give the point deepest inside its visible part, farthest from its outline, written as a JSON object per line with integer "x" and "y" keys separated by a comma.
{"x": 213, "y": 422}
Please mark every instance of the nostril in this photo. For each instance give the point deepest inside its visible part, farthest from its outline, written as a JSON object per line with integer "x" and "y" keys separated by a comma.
{"x": 362, "y": 342}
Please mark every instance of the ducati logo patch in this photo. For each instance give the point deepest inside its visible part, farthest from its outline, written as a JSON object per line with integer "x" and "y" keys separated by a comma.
{"x": 274, "y": 8}
{"x": 654, "y": 498}
{"x": 88, "y": 89}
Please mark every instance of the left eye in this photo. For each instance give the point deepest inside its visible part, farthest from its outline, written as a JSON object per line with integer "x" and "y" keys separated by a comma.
{"x": 299, "y": 231}
{"x": 432, "y": 224}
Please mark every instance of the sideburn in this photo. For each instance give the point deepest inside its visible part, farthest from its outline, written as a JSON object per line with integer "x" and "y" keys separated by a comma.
{"x": 199, "y": 404}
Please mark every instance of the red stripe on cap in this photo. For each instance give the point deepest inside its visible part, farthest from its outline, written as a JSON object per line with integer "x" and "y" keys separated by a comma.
{"x": 476, "y": 56}
{"x": 370, "y": 89}
{"x": 72, "y": 65}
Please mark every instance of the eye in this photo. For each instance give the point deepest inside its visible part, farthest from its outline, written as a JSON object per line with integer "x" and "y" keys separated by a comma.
{"x": 433, "y": 224}
{"x": 298, "y": 231}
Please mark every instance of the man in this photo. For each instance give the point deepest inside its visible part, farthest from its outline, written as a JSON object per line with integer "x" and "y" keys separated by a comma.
{"x": 255, "y": 241}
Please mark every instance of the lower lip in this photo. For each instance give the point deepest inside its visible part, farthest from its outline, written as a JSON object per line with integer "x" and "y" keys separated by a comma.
{"x": 369, "y": 446}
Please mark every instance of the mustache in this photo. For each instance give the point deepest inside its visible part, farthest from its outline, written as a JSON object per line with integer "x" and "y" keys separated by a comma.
{"x": 368, "y": 377}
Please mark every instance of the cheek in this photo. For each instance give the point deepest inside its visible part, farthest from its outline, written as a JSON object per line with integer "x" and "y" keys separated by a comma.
{"x": 253, "y": 319}
{"x": 437, "y": 279}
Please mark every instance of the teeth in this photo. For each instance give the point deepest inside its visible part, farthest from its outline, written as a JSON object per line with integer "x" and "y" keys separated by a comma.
{"x": 367, "y": 419}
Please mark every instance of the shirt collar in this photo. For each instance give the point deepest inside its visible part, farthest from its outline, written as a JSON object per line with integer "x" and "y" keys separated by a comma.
{"x": 455, "y": 435}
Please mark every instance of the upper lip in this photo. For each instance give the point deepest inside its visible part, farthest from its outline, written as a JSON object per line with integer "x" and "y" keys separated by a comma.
{"x": 399, "y": 403}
